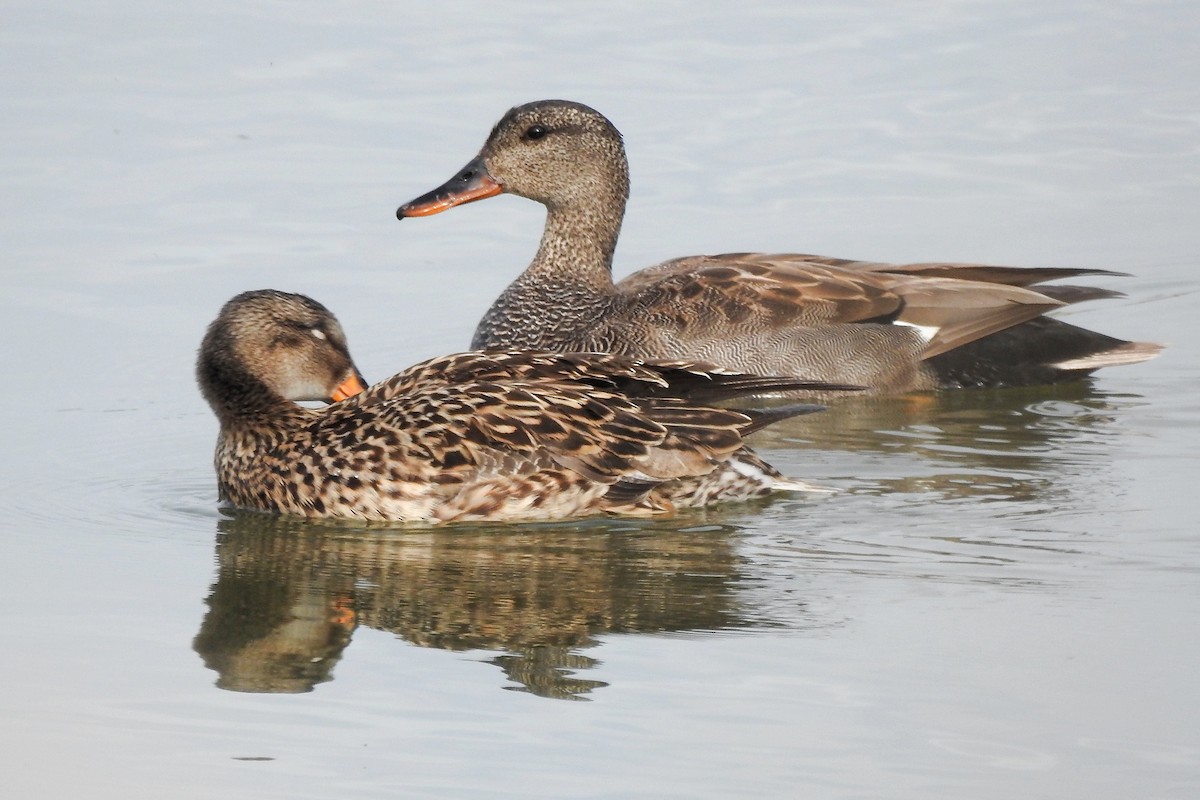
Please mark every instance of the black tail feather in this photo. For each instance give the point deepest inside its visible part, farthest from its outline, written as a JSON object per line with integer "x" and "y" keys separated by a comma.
{"x": 1026, "y": 354}
{"x": 762, "y": 417}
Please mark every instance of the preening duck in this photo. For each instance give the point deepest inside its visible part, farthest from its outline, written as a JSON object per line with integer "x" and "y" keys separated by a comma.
{"x": 500, "y": 435}
{"x": 893, "y": 328}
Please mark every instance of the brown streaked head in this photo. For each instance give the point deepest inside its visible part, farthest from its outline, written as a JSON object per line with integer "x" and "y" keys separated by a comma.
{"x": 284, "y": 345}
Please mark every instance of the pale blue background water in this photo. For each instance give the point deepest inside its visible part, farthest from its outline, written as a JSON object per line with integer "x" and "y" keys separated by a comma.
{"x": 1003, "y": 602}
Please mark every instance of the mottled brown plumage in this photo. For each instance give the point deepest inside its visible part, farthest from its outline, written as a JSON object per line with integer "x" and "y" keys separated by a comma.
{"x": 504, "y": 435}
{"x": 894, "y": 328}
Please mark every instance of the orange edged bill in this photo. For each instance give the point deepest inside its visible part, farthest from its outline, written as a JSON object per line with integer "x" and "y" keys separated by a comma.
{"x": 352, "y": 385}
{"x": 471, "y": 183}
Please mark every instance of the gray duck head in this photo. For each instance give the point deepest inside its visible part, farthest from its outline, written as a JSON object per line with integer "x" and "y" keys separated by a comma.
{"x": 556, "y": 152}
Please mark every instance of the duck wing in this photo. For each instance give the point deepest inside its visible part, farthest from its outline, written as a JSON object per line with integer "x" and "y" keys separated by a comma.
{"x": 761, "y": 295}
{"x": 473, "y": 416}
{"x": 683, "y": 379}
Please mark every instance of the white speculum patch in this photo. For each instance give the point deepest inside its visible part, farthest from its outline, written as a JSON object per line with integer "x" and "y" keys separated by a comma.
{"x": 927, "y": 331}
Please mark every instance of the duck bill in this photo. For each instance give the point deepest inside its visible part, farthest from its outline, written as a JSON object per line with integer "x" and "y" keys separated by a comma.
{"x": 470, "y": 184}
{"x": 352, "y": 385}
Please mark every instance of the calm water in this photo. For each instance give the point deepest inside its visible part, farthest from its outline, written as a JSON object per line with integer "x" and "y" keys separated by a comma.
{"x": 1002, "y": 602}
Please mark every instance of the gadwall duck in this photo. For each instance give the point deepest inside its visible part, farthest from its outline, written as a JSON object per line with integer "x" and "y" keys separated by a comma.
{"x": 505, "y": 435}
{"x": 893, "y": 328}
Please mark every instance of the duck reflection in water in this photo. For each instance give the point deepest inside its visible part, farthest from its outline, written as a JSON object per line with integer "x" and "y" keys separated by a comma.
{"x": 289, "y": 594}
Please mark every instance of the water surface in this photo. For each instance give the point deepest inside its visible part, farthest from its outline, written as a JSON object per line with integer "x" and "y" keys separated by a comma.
{"x": 1001, "y": 601}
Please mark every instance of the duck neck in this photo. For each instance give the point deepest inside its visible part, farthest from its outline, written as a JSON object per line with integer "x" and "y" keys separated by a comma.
{"x": 240, "y": 399}
{"x": 579, "y": 240}
{"x": 556, "y": 302}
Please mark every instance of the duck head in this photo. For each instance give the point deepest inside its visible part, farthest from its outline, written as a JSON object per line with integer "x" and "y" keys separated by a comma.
{"x": 268, "y": 345}
{"x": 555, "y": 152}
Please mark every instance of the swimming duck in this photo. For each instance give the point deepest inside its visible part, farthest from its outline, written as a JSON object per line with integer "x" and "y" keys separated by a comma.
{"x": 504, "y": 435}
{"x": 893, "y": 328}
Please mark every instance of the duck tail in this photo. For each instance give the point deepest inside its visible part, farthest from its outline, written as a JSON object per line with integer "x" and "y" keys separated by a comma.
{"x": 762, "y": 417}
{"x": 1039, "y": 351}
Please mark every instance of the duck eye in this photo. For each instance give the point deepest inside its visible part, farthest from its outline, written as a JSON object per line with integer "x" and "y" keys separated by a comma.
{"x": 318, "y": 333}
{"x": 536, "y": 132}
